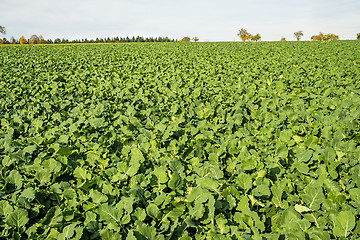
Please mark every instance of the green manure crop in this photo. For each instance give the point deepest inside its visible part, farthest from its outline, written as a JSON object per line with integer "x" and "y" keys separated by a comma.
{"x": 180, "y": 141}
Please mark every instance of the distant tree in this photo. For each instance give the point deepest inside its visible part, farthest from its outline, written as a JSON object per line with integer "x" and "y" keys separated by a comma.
{"x": 244, "y": 35}
{"x": 325, "y": 37}
{"x": 185, "y": 39}
{"x": 321, "y": 36}
{"x": 2, "y": 30}
{"x": 22, "y": 40}
{"x": 12, "y": 40}
{"x": 283, "y": 39}
{"x": 41, "y": 40}
{"x": 331, "y": 37}
{"x": 34, "y": 39}
{"x": 256, "y": 37}
{"x": 315, "y": 38}
{"x": 5, "y": 41}
{"x": 358, "y": 36}
{"x": 195, "y": 39}
{"x": 57, "y": 41}
{"x": 298, "y": 34}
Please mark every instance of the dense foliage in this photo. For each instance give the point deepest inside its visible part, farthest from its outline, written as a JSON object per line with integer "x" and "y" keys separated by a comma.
{"x": 180, "y": 140}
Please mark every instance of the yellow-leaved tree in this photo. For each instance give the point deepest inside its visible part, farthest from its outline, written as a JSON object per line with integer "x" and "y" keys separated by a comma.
{"x": 22, "y": 40}
{"x": 185, "y": 39}
{"x": 244, "y": 35}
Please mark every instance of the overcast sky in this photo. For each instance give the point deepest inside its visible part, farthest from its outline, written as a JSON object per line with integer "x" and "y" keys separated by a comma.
{"x": 209, "y": 20}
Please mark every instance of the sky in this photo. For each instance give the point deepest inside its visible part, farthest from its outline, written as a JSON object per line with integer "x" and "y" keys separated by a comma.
{"x": 209, "y": 20}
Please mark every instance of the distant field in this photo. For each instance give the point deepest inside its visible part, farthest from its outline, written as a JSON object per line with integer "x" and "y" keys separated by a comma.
{"x": 180, "y": 141}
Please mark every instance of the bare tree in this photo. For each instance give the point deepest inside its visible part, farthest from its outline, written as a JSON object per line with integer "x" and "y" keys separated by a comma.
{"x": 2, "y": 30}
{"x": 34, "y": 39}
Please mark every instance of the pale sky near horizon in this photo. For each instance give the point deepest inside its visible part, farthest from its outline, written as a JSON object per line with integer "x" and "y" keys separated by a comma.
{"x": 209, "y": 20}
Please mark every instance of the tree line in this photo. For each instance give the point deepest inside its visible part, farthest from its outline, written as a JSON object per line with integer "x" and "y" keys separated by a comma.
{"x": 35, "y": 39}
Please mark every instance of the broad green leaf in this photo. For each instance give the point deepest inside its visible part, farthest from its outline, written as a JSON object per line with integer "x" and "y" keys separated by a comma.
{"x": 53, "y": 234}
{"x": 130, "y": 235}
{"x": 18, "y": 218}
{"x": 82, "y": 173}
{"x": 244, "y": 181}
{"x": 14, "y": 179}
{"x": 174, "y": 213}
{"x": 344, "y": 223}
{"x": 97, "y": 197}
{"x": 175, "y": 181}
{"x": 289, "y": 215}
{"x": 31, "y": 231}
{"x": 153, "y": 211}
{"x": 90, "y": 217}
{"x": 296, "y": 229}
{"x": 5, "y": 208}
{"x": 303, "y": 155}
{"x": 209, "y": 184}
{"x": 28, "y": 193}
{"x": 261, "y": 190}
{"x": 289, "y": 224}
{"x": 110, "y": 215}
{"x": 301, "y": 209}
{"x": 136, "y": 156}
{"x": 52, "y": 165}
{"x": 68, "y": 231}
{"x": 145, "y": 231}
{"x": 197, "y": 211}
{"x": 53, "y": 217}
{"x": 126, "y": 170}
{"x": 30, "y": 149}
{"x": 277, "y": 191}
{"x": 161, "y": 175}
{"x": 311, "y": 142}
{"x": 313, "y": 196}
{"x": 198, "y": 194}
{"x": 43, "y": 176}
{"x": 318, "y": 234}
{"x": 139, "y": 214}
{"x": 221, "y": 223}
{"x": 107, "y": 234}
{"x": 125, "y": 203}
{"x": 282, "y": 151}
{"x": 64, "y": 138}
{"x": 285, "y": 135}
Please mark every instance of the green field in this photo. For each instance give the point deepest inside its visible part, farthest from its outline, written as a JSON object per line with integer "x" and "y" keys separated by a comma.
{"x": 180, "y": 141}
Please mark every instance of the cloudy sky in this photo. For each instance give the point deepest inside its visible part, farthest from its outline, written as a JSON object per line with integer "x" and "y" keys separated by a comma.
{"x": 209, "y": 20}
